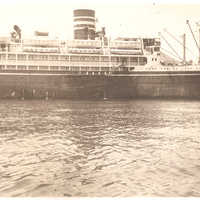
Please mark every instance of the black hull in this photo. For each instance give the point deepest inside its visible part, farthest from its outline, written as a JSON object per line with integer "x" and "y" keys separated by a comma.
{"x": 59, "y": 85}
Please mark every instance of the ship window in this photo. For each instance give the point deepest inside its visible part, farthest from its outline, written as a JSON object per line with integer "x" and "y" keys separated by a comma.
{"x": 134, "y": 61}
{"x": 142, "y": 60}
{"x": 152, "y": 59}
{"x": 155, "y": 59}
{"x": 156, "y": 48}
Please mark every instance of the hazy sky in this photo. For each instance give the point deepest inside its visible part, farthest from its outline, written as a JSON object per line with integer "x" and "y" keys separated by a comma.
{"x": 146, "y": 18}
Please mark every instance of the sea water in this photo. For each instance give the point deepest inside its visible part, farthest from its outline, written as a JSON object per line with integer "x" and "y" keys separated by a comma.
{"x": 101, "y": 148}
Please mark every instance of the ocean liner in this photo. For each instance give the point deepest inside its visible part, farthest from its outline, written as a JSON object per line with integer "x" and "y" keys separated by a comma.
{"x": 91, "y": 66}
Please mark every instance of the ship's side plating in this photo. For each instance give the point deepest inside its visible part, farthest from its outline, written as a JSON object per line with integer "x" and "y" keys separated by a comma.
{"x": 91, "y": 66}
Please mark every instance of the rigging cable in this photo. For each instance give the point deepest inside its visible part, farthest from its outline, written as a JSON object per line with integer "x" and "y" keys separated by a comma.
{"x": 180, "y": 42}
{"x": 170, "y": 46}
{"x": 170, "y": 53}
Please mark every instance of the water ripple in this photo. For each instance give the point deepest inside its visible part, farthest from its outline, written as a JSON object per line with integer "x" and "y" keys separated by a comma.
{"x": 145, "y": 148}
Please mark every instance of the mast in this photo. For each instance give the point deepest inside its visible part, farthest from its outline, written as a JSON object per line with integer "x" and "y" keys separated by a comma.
{"x": 184, "y": 59}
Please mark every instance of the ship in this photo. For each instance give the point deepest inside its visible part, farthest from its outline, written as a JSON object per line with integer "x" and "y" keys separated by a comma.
{"x": 91, "y": 66}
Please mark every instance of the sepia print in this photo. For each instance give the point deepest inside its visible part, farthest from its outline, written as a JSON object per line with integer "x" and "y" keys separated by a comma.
{"x": 99, "y": 99}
